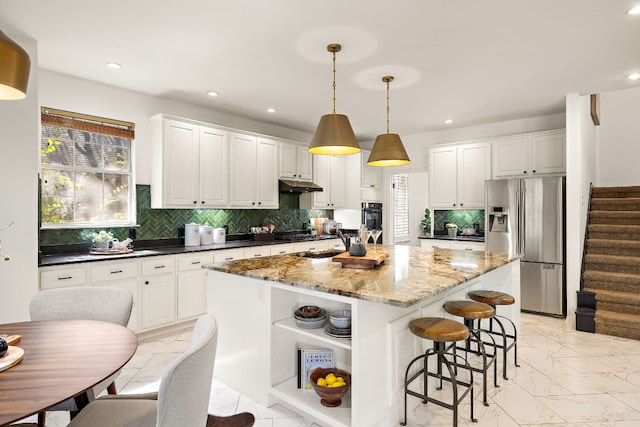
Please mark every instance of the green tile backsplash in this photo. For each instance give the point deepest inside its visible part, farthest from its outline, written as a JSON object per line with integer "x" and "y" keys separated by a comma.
{"x": 164, "y": 223}
{"x": 463, "y": 219}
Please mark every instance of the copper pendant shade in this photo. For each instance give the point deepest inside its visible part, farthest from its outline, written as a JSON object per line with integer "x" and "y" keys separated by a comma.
{"x": 388, "y": 149}
{"x": 334, "y": 134}
{"x": 14, "y": 69}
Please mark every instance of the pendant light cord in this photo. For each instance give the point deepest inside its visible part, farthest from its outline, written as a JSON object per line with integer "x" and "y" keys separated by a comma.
{"x": 334, "y": 82}
{"x": 387, "y": 107}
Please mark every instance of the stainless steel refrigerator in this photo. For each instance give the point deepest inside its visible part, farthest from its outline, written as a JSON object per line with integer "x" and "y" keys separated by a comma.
{"x": 526, "y": 218}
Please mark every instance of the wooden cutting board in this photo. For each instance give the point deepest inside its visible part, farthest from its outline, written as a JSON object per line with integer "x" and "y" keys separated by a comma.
{"x": 370, "y": 260}
{"x": 13, "y": 357}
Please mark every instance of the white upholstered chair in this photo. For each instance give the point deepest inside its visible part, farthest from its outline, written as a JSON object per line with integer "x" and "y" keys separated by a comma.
{"x": 82, "y": 303}
{"x": 182, "y": 399}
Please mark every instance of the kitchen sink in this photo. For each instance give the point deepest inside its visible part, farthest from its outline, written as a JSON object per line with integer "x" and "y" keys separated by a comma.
{"x": 323, "y": 254}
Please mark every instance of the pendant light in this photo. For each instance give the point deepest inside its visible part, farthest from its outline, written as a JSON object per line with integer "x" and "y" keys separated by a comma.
{"x": 388, "y": 149}
{"x": 334, "y": 134}
{"x": 14, "y": 69}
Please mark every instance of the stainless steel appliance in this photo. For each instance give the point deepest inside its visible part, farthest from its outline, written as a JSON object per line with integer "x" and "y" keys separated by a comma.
{"x": 526, "y": 217}
{"x": 372, "y": 215}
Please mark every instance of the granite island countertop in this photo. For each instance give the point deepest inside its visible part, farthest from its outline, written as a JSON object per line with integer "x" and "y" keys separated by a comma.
{"x": 410, "y": 274}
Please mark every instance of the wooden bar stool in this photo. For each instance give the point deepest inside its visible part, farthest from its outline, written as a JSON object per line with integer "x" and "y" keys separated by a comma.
{"x": 471, "y": 311}
{"x": 441, "y": 331}
{"x": 495, "y": 298}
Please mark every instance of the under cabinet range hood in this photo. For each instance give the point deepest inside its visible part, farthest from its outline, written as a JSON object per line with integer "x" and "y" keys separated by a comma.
{"x": 291, "y": 186}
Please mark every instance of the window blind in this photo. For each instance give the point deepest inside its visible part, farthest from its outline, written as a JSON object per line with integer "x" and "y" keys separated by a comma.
{"x": 401, "y": 204}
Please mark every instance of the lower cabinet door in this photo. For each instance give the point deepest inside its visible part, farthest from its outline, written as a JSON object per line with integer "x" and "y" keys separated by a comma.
{"x": 130, "y": 285}
{"x": 192, "y": 294}
{"x": 158, "y": 300}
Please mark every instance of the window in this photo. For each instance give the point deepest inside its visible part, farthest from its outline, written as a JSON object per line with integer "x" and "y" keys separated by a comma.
{"x": 401, "y": 205}
{"x": 86, "y": 171}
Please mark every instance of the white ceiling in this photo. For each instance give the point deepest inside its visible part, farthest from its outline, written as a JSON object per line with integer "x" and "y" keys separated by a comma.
{"x": 473, "y": 61}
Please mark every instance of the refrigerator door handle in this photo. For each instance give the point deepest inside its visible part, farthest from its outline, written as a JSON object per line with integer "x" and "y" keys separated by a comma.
{"x": 523, "y": 247}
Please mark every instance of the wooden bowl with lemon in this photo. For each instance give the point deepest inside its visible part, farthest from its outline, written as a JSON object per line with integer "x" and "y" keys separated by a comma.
{"x": 331, "y": 384}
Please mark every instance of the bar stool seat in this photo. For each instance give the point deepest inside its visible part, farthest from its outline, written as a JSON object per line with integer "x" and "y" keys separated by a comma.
{"x": 441, "y": 331}
{"x": 472, "y": 311}
{"x": 495, "y": 298}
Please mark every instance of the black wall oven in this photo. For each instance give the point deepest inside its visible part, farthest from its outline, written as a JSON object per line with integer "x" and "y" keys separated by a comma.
{"x": 372, "y": 215}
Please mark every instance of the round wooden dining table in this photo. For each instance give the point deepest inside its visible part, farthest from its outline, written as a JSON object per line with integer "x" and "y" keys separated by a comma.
{"x": 62, "y": 359}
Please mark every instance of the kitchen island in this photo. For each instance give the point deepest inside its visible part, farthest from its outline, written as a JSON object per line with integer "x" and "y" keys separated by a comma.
{"x": 254, "y": 300}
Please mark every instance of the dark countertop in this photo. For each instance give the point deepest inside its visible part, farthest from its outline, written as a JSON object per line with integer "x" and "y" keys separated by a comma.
{"x": 474, "y": 238}
{"x": 155, "y": 248}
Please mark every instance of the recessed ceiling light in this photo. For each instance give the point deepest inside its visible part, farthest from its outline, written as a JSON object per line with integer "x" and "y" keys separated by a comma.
{"x": 212, "y": 93}
{"x": 113, "y": 65}
{"x": 271, "y": 110}
{"x": 634, "y": 76}
{"x": 634, "y": 11}
{"x": 448, "y": 121}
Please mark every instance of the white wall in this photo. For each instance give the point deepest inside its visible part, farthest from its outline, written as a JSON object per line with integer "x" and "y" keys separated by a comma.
{"x": 581, "y": 150}
{"x": 19, "y": 142}
{"x": 618, "y": 146}
{"x": 72, "y": 94}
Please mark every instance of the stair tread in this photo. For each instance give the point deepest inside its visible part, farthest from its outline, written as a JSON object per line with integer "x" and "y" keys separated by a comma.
{"x": 625, "y": 317}
{"x": 615, "y": 227}
{"x": 613, "y": 242}
{"x": 594, "y": 274}
{"x": 603, "y": 294}
{"x": 613, "y": 259}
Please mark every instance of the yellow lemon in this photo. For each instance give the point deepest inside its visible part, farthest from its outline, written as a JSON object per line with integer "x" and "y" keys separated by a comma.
{"x": 321, "y": 382}
{"x": 339, "y": 384}
{"x": 339, "y": 379}
{"x": 330, "y": 378}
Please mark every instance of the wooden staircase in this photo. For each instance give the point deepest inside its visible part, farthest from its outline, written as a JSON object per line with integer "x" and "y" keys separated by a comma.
{"x": 609, "y": 302}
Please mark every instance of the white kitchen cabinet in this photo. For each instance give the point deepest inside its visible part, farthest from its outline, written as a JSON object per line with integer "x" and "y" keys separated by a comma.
{"x": 254, "y": 172}
{"x": 158, "y": 292}
{"x": 371, "y": 176}
{"x": 190, "y": 165}
{"x": 451, "y": 244}
{"x": 257, "y": 252}
{"x": 295, "y": 161}
{"x": 123, "y": 275}
{"x": 62, "y": 277}
{"x": 328, "y": 173}
{"x": 228, "y": 255}
{"x": 529, "y": 154}
{"x": 281, "y": 249}
{"x": 457, "y": 175}
{"x": 192, "y": 285}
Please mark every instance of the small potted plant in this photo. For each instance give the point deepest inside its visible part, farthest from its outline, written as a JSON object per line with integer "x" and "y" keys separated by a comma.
{"x": 452, "y": 229}
{"x": 101, "y": 240}
{"x": 426, "y": 223}
{"x": 313, "y": 229}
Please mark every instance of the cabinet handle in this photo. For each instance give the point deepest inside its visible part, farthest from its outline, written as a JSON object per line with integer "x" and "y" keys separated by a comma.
{"x": 533, "y": 171}
{"x": 146, "y": 282}
{"x": 65, "y": 278}
{"x": 468, "y": 249}
{"x": 454, "y": 204}
{"x": 116, "y": 272}
{"x": 195, "y": 202}
{"x": 202, "y": 202}
{"x": 282, "y": 252}
{"x": 195, "y": 262}
{"x": 312, "y": 249}
{"x": 159, "y": 266}
{"x": 372, "y": 185}
{"x": 525, "y": 172}
{"x": 259, "y": 203}
{"x": 253, "y": 203}
{"x": 228, "y": 259}
{"x": 257, "y": 255}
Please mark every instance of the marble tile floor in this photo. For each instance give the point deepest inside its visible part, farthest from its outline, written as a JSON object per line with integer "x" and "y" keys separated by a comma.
{"x": 566, "y": 379}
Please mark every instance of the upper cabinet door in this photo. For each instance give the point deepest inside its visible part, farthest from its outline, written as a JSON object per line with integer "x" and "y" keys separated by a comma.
{"x": 321, "y": 199}
{"x": 305, "y": 163}
{"x": 444, "y": 182}
{"x": 371, "y": 176}
{"x": 243, "y": 170}
{"x": 288, "y": 160}
{"x": 267, "y": 177}
{"x": 214, "y": 185}
{"x": 474, "y": 168}
{"x": 548, "y": 154}
{"x": 180, "y": 164}
{"x": 337, "y": 182}
{"x": 511, "y": 156}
